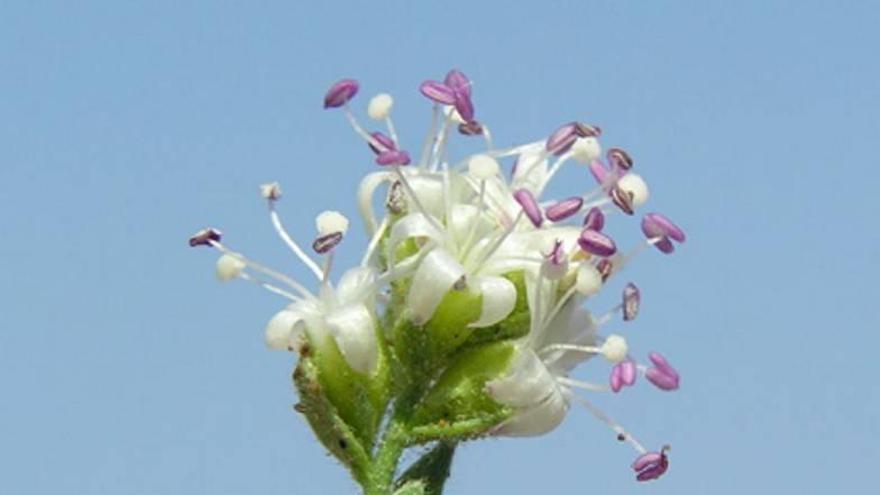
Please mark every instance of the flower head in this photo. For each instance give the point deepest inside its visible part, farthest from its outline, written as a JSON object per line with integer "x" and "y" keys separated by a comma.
{"x": 527, "y": 263}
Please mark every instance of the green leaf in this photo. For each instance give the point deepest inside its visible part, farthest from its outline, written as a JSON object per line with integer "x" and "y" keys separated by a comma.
{"x": 431, "y": 471}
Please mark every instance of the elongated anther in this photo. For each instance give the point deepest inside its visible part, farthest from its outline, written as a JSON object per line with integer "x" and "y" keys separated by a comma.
{"x": 204, "y": 237}
{"x": 530, "y": 207}
{"x": 395, "y": 157}
{"x": 386, "y": 142}
{"x": 325, "y": 243}
{"x": 564, "y": 209}
{"x": 456, "y": 80}
{"x": 340, "y": 93}
{"x": 619, "y": 158}
{"x": 631, "y": 299}
{"x": 438, "y": 92}
{"x": 595, "y": 219}
{"x": 562, "y": 139}
{"x": 595, "y": 242}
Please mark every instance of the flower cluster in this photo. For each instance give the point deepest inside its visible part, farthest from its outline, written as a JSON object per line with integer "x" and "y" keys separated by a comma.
{"x": 466, "y": 315}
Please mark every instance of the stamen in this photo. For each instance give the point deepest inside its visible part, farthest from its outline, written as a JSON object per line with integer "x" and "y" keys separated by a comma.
{"x": 597, "y": 243}
{"x": 340, "y": 93}
{"x": 619, "y": 159}
{"x": 282, "y": 233}
{"x": 529, "y": 206}
{"x": 564, "y": 209}
{"x": 204, "y": 237}
{"x": 374, "y": 242}
{"x": 429, "y": 137}
{"x": 379, "y": 107}
{"x": 617, "y": 428}
{"x": 595, "y": 219}
{"x": 631, "y": 299}
{"x": 269, "y": 287}
{"x": 494, "y": 247}
{"x": 438, "y": 92}
{"x": 264, "y": 269}
{"x": 588, "y": 386}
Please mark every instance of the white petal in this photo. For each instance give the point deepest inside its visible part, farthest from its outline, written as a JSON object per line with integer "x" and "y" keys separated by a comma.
{"x": 353, "y": 328}
{"x": 528, "y": 382}
{"x": 536, "y": 420}
{"x": 462, "y": 218}
{"x": 499, "y": 299}
{"x": 380, "y": 106}
{"x": 284, "y": 329}
{"x": 437, "y": 273}
{"x": 414, "y": 225}
{"x": 356, "y": 285}
{"x": 365, "y": 198}
{"x": 429, "y": 190}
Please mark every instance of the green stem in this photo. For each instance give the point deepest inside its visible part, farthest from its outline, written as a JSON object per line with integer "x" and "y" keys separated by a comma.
{"x": 380, "y": 478}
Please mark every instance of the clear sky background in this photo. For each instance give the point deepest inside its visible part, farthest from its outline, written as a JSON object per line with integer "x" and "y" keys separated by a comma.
{"x": 125, "y": 126}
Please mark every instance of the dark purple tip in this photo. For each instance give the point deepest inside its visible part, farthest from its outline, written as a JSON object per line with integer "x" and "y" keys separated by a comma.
{"x": 595, "y": 219}
{"x": 619, "y": 159}
{"x": 204, "y": 237}
{"x": 438, "y": 92}
{"x": 651, "y": 465}
{"x": 472, "y": 128}
{"x": 562, "y": 139}
{"x": 530, "y": 207}
{"x": 623, "y": 200}
{"x": 632, "y": 298}
{"x": 456, "y": 80}
{"x": 564, "y": 209}
{"x": 595, "y": 242}
{"x": 340, "y": 93}
{"x": 658, "y": 225}
{"x": 386, "y": 142}
{"x": 464, "y": 106}
{"x": 327, "y": 242}
{"x": 394, "y": 157}
{"x": 587, "y": 130}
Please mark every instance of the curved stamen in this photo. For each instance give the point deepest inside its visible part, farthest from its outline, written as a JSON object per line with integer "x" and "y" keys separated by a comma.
{"x": 429, "y": 137}
{"x": 374, "y": 242}
{"x": 588, "y": 386}
{"x": 279, "y": 228}
{"x": 617, "y": 428}
{"x": 264, "y": 269}
{"x": 269, "y": 287}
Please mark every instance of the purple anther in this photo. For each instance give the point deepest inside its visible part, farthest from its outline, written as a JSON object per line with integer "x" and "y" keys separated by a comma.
{"x": 595, "y": 242}
{"x": 386, "y": 142}
{"x": 662, "y": 375}
{"x": 651, "y": 465}
{"x": 562, "y": 139}
{"x": 623, "y": 200}
{"x": 631, "y": 299}
{"x": 619, "y": 159}
{"x": 615, "y": 381}
{"x": 530, "y": 207}
{"x": 664, "y": 245}
{"x": 600, "y": 173}
{"x": 464, "y": 106}
{"x": 628, "y": 372}
{"x": 658, "y": 225}
{"x": 623, "y": 374}
{"x": 456, "y": 80}
{"x": 340, "y": 93}
{"x": 605, "y": 267}
{"x": 564, "y": 209}
{"x": 205, "y": 237}
{"x": 472, "y": 128}
{"x": 595, "y": 219}
{"x": 662, "y": 364}
{"x": 587, "y": 130}
{"x": 395, "y": 157}
{"x": 438, "y": 92}
{"x": 327, "y": 242}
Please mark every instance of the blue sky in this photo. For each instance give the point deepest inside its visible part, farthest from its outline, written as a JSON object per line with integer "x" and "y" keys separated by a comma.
{"x": 125, "y": 368}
